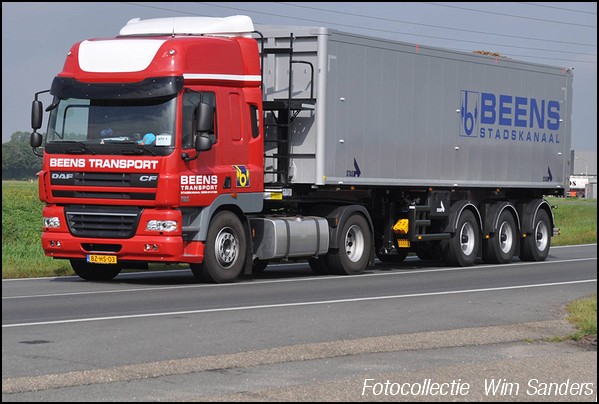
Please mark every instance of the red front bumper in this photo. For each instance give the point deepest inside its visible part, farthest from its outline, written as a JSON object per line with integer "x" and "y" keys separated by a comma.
{"x": 159, "y": 248}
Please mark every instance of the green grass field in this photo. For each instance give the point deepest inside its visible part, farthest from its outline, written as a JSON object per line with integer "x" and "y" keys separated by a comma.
{"x": 22, "y": 254}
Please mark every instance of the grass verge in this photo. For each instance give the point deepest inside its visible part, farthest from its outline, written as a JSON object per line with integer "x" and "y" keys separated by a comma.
{"x": 583, "y": 314}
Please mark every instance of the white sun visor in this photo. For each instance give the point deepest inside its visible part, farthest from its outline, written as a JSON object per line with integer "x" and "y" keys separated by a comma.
{"x": 121, "y": 55}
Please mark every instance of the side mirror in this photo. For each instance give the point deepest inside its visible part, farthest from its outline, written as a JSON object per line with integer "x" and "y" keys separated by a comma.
{"x": 203, "y": 143}
{"x": 36, "y": 115}
{"x": 204, "y": 115}
{"x": 35, "y": 140}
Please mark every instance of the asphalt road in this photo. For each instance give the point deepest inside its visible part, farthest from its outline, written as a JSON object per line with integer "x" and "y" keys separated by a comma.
{"x": 291, "y": 335}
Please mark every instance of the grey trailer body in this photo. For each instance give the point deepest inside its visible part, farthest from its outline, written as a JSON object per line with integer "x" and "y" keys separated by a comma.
{"x": 388, "y": 113}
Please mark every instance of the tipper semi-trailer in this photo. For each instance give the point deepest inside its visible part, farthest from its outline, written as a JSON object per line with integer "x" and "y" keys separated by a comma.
{"x": 226, "y": 146}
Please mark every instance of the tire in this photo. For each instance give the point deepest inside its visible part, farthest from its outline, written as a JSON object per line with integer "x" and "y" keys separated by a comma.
{"x": 536, "y": 247}
{"x": 462, "y": 248}
{"x": 225, "y": 251}
{"x": 355, "y": 240}
{"x": 95, "y": 272}
{"x": 500, "y": 248}
{"x": 318, "y": 265}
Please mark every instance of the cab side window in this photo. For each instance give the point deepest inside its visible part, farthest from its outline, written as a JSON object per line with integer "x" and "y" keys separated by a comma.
{"x": 191, "y": 100}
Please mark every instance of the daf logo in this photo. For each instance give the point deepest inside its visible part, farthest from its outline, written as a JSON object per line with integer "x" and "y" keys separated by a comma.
{"x": 148, "y": 178}
{"x": 63, "y": 176}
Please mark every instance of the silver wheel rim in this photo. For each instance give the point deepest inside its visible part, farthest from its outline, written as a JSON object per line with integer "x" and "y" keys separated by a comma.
{"x": 467, "y": 239}
{"x": 542, "y": 236}
{"x": 354, "y": 243}
{"x": 226, "y": 247}
{"x": 506, "y": 237}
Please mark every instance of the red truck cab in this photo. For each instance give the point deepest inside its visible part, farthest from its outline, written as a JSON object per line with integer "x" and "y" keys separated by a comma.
{"x": 121, "y": 176}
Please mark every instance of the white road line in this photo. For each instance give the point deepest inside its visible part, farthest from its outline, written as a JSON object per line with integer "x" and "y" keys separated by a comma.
{"x": 302, "y": 279}
{"x": 270, "y": 306}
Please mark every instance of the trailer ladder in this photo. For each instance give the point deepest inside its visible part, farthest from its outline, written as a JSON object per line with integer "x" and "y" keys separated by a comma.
{"x": 284, "y": 111}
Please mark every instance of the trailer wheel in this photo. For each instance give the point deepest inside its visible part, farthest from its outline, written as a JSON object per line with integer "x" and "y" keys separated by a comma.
{"x": 354, "y": 242}
{"x": 461, "y": 249}
{"x": 224, "y": 255}
{"x": 500, "y": 248}
{"x": 95, "y": 272}
{"x": 536, "y": 247}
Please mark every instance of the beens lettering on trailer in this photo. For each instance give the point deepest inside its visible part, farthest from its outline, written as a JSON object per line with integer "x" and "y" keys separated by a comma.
{"x": 509, "y": 117}
{"x": 64, "y": 162}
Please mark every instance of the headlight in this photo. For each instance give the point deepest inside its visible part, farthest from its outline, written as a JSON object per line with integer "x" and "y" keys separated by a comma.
{"x": 53, "y": 222}
{"x": 161, "y": 225}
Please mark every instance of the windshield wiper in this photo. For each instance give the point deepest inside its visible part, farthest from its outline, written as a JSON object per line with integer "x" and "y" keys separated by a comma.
{"x": 139, "y": 150}
{"x": 82, "y": 150}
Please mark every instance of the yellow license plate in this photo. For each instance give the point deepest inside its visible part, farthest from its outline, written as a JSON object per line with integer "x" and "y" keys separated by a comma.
{"x": 101, "y": 259}
{"x": 403, "y": 243}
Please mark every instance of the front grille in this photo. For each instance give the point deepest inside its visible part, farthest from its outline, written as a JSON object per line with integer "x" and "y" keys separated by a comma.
{"x": 102, "y": 222}
{"x": 78, "y": 185}
{"x": 135, "y": 196}
{"x": 90, "y": 179}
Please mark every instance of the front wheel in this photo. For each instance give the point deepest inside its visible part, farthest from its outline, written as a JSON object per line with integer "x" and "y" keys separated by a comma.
{"x": 224, "y": 254}
{"x": 536, "y": 247}
{"x": 95, "y": 272}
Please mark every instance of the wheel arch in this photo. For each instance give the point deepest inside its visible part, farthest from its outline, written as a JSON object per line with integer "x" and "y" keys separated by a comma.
{"x": 456, "y": 211}
{"x": 528, "y": 212}
{"x": 494, "y": 212}
{"x": 241, "y": 204}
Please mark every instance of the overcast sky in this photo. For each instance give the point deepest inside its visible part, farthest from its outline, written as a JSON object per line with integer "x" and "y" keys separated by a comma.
{"x": 36, "y": 37}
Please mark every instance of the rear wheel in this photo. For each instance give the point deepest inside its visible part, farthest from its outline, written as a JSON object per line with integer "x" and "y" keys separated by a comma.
{"x": 536, "y": 247}
{"x": 500, "y": 248}
{"x": 224, "y": 255}
{"x": 461, "y": 249}
{"x": 354, "y": 242}
{"x": 95, "y": 272}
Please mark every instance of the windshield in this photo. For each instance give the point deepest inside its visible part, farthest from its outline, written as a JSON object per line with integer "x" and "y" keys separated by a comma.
{"x": 90, "y": 123}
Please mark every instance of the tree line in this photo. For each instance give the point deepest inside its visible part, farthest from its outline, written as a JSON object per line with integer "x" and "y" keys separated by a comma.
{"x": 18, "y": 160}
